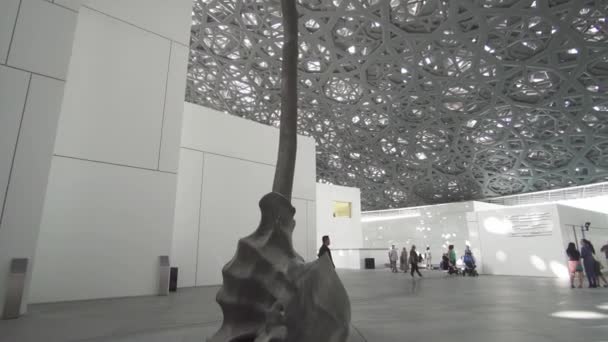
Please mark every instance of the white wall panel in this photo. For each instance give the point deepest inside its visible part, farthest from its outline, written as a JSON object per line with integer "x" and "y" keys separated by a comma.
{"x": 213, "y": 131}
{"x": 220, "y": 133}
{"x": 25, "y": 198}
{"x": 300, "y": 233}
{"x": 109, "y": 214}
{"x": 350, "y": 259}
{"x": 344, "y": 232}
{"x": 13, "y": 89}
{"x": 173, "y": 109}
{"x": 114, "y": 97}
{"x": 43, "y": 38}
{"x": 485, "y": 206}
{"x": 306, "y": 169}
{"x": 164, "y": 17}
{"x": 239, "y": 157}
{"x": 187, "y": 211}
{"x": 312, "y": 230}
{"x": 230, "y": 194}
{"x": 474, "y": 240}
{"x": 102, "y": 231}
{"x": 72, "y": 4}
{"x": 8, "y": 16}
{"x": 504, "y": 254}
{"x": 232, "y": 189}
{"x": 591, "y": 203}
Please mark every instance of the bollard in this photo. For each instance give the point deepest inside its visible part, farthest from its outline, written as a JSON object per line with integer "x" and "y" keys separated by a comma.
{"x": 14, "y": 289}
{"x": 163, "y": 280}
{"x": 173, "y": 280}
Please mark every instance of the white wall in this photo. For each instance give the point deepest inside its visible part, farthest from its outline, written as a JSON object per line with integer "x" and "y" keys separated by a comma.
{"x": 597, "y": 203}
{"x": 345, "y": 233}
{"x": 505, "y": 254}
{"x": 488, "y": 229}
{"x": 478, "y": 206}
{"x": 109, "y": 206}
{"x": 226, "y": 165}
{"x": 598, "y": 231}
{"x": 35, "y": 48}
{"x": 436, "y": 226}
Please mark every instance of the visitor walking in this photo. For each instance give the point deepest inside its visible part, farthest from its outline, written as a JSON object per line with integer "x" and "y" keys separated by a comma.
{"x": 393, "y": 255}
{"x": 427, "y": 258}
{"x": 589, "y": 263}
{"x": 414, "y": 261}
{"x": 403, "y": 260}
{"x": 574, "y": 265}
{"x": 325, "y": 249}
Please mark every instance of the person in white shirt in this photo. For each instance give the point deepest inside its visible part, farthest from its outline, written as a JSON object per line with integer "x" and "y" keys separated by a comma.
{"x": 427, "y": 257}
{"x": 393, "y": 256}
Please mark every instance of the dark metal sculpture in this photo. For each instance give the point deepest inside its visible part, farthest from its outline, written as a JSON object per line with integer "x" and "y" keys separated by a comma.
{"x": 286, "y": 159}
{"x": 269, "y": 293}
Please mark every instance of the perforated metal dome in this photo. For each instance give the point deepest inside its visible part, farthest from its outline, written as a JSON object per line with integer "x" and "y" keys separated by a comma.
{"x": 422, "y": 101}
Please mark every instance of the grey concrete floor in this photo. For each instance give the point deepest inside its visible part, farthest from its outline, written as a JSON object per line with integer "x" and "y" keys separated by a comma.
{"x": 386, "y": 307}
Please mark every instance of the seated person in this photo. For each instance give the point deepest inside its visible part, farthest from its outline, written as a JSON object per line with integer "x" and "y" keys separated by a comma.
{"x": 452, "y": 255}
{"x": 445, "y": 261}
{"x": 469, "y": 259}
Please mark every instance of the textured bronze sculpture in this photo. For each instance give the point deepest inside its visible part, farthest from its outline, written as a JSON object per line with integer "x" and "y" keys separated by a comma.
{"x": 269, "y": 293}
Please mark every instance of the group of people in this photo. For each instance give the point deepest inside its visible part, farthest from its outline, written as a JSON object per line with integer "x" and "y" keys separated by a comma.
{"x": 409, "y": 260}
{"x": 449, "y": 262}
{"x": 585, "y": 261}
{"x": 412, "y": 260}
{"x": 579, "y": 262}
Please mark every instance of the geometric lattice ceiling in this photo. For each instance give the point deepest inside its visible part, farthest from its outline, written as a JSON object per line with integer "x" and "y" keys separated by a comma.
{"x": 421, "y": 102}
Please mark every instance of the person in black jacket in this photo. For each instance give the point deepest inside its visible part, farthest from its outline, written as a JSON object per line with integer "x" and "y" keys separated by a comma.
{"x": 414, "y": 260}
{"x": 325, "y": 249}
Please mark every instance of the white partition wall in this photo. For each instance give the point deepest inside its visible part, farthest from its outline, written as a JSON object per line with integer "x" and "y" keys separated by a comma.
{"x": 522, "y": 240}
{"x": 35, "y": 46}
{"x": 109, "y": 206}
{"x": 345, "y": 232}
{"x": 226, "y": 165}
{"x": 527, "y": 240}
{"x": 597, "y": 204}
{"x": 435, "y": 226}
{"x": 572, "y": 219}
{"x": 531, "y": 240}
